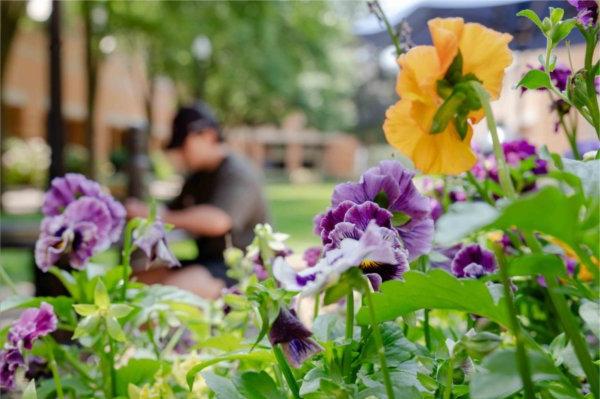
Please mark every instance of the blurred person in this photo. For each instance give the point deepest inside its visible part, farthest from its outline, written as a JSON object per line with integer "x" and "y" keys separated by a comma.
{"x": 220, "y": 203}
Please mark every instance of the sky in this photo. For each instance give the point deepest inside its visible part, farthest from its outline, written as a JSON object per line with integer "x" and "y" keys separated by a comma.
{"x": 396, "y": 10}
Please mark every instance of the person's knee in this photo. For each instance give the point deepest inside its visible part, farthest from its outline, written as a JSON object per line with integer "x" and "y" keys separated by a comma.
{"x": 198, "y": 280}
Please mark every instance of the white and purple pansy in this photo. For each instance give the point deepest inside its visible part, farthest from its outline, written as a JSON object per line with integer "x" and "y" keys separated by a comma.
{"x": 377, "y": 251}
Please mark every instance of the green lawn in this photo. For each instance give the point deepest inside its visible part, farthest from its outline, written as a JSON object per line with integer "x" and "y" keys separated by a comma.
{"x": 293, "y": 208}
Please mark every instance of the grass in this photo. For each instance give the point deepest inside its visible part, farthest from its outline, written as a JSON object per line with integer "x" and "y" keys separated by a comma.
{"x": 293, "y": 208}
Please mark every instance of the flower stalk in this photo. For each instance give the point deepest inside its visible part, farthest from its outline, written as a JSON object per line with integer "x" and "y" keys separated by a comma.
{"x": 54, "y": 369}
{"x": 568, "y": 323}
{"x": 286, "y": 370}
{"x": 378, "y": 340}
{"x": 522, "y": 359}
{"x": 503, "y": 171}
{"x": 126, "y": 254}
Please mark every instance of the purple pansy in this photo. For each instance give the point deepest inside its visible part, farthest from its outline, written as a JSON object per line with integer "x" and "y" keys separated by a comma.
{"x": 294, "y": 338}
{"x": 312, "y": 255}
{"x": 151, "y": 241}
{"x": 441, "y": 258}
{"x": 79, "y": 232}
{"x": 390, "y": 185}
{"x": 587, "y": 11}
{"x": 473, "y": 261}
{"x": 69, "y": 188}
{"x": 32, "y": 324}
{"x": 377, "y": 251}
{"x": 10, "y": 360}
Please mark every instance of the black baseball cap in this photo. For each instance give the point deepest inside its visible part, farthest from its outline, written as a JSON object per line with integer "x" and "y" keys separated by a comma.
{"x": 192, "y": 118}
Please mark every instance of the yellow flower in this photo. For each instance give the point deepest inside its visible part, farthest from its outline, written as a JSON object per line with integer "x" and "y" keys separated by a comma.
{"x": 485, "y": 55}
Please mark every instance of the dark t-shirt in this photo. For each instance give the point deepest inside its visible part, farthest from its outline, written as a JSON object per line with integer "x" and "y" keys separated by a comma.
{"x": 236, "y": 188}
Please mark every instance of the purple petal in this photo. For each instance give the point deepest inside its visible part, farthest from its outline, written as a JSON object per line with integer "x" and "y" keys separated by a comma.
{"x": 10, "y": 360}
{"x": 362, "y": 214}
{"x": 294, "y": 338}
{"x": 32, "y": 324}
{"x": 473, "y": 261}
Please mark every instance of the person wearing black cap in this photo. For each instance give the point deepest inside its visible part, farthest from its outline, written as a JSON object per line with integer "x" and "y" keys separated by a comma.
{"x": 220, "y": 203}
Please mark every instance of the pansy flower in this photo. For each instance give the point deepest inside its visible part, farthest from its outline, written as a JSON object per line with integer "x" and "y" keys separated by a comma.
{"x": 76, "y": 234}
{"x": 377, "y": 251}
{"x": 69, "y": 188}
{"x": 152, "y": 249}
{"x": 431, "y": 124}
{"x": 391, "y": 186}
{"x": 32, "y": 324}
{"x": 587, "y": 11}
{"x": 473, "y": 261}
{"x": 294, "y": 338}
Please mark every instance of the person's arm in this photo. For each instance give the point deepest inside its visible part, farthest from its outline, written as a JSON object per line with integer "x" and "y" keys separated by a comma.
{"x": 200, "y": 220}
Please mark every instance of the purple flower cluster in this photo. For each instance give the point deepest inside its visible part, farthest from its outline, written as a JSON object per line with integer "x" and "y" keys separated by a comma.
{"x": 587, "y": 11}
{"x": 515, "y": 152}
{"x": 33, "y": 324}
{"x": 80, "y": 220}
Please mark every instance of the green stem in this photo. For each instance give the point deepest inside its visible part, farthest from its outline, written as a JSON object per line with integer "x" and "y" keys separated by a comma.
{"x": 449, "y": 378}
{"x": 568, "y": 323}
{"x": 4, "y": 277}
{"x": 349, "y": 315}
{"x": 426, "y": 331}
{"x": 388, "y": 27}
{"x": 571, "y": 137}
{"x": 173, "y": 341}
{"x": 126, "y": 254}
{"x": 503, "y": 172}
{"x": 316, "y": 307}
{"x": 77, "y": 366}
{"x": 111, "y": 362}
{"x": 522, "y": 359}
{"x": 54, "y": 370}
{"x": 150, "y": 334}
{"x": 480, "y": 190}
{"x": 287, "y": 372}
{"x": 590, "y": 46}
{"x": 378, "y": 341}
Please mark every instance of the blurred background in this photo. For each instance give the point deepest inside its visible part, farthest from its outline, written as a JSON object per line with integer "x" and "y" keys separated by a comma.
{"x": 300, "y": 87}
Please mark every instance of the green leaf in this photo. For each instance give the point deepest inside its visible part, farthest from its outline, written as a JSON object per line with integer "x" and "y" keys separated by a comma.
{"x": 462, "y": 219}
{"x": 547, "y": 211}
{"x": 253, "y": 385}
{"x": 556, "y": 14}
{"x": 221, "y": 386}
{"x": 120, "y": 310}
{"x": 114, "y": 329}
{"x": 500, "y": 377}
{"x": 381, "y": 199}
{"x": 588, "y": 172}
{"x": 137, "y": 372}
{"x": 532, "y": 16}
{"x": 85, "y": 309}
{"x": 590, "y": 313}
{"x": 535, "y": 79}
{"x": 318, "y": 384}
{"x": 435, "y": 289}
{"x": 257, "y": 355}
{"x": 101, "y": 298}
{"x": 30, "y": 392}
{"x": 86, "y": 326}
{"x": 562, "y": 30}
{"x": 537, "y": 264}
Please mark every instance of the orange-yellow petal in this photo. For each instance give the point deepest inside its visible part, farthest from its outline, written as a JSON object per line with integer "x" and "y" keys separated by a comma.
{"x": 486, "y": 54}
{"x": 444, "y": 153}
{"x": 445, "y": 34}
{"x": 419, "y": 73}
{"x": 401, "y": 130}
{"x": 407, "y": 128}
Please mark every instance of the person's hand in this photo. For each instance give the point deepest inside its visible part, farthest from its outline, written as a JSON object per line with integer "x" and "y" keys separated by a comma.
{"x": 136, "y": 208}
